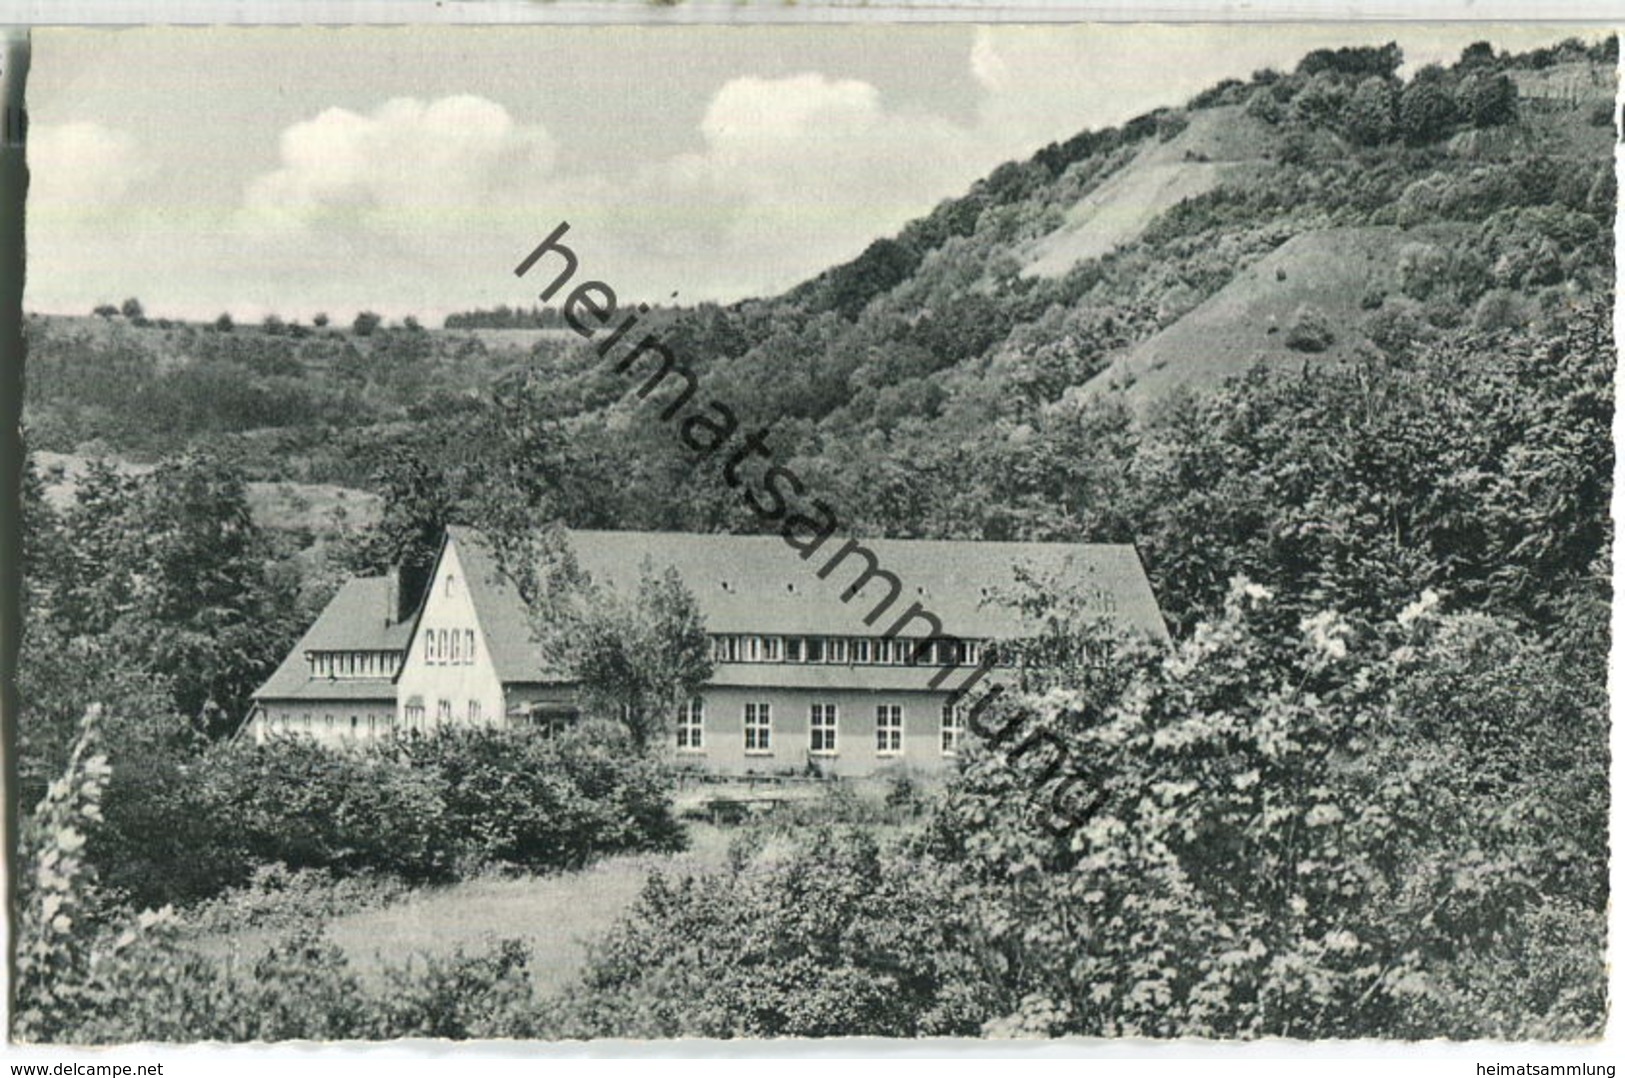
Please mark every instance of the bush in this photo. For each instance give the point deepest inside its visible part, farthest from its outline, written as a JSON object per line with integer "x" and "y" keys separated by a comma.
{"x": 839, "y": 941}
{"x": 1309, "y": 331}
{"x": 547, "y": 802}
{"x": 306, "y": 806}
{"x": 182, "y": 828}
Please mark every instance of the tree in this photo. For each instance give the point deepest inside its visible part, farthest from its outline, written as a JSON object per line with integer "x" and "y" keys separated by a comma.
{"x": 105, "y": 310}
{"x": 273, "y": 325}
{"x": 1357, "y": 61}
{"x": 1369, "y": 118}
{"x": 412, "y": 324}
{"x": 320, "y": 321}
{"x": 224, "y": 324}
{"x": 1487, "y": 100}
{"x": 1478, "y": 54}
{"x": 131, "y": 309}
{"x": 365, "y": 323}
{"x": 1426, "y": 110}
{"x": 636, "y": 658}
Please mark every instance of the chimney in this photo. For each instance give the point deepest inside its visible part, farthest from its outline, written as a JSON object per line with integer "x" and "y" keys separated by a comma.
{"x": 411, "y": 583}
{"x": 392, "y": 597}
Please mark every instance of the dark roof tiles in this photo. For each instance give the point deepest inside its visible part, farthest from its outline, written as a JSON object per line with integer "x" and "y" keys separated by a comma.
{"x": 758, "y": 584}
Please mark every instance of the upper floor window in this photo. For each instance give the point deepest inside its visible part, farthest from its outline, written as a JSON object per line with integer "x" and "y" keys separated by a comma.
{"x": 451, "y": 583}
{"x": 468, "y": 645}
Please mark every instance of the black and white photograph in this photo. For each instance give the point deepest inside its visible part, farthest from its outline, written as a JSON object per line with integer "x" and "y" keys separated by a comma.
{"x": 1095, "y": 533}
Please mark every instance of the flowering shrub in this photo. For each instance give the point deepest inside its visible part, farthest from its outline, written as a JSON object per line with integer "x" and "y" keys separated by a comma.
{"x": 1336, "y": 834}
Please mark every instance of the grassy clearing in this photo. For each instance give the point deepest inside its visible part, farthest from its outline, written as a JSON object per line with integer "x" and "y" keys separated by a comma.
{"x": 555, "y": 915}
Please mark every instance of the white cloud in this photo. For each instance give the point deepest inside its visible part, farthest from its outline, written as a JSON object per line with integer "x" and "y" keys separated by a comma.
{"x": 393, "y": 168}
{"x": 82, "y": 168}
{"x": 799, "y": 172}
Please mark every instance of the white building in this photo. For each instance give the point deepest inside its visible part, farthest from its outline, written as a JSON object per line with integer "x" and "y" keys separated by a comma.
{"x": 816, "y": 662}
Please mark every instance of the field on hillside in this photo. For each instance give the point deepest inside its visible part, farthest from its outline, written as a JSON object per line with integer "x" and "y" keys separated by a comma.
{"x": 321, "y": 508}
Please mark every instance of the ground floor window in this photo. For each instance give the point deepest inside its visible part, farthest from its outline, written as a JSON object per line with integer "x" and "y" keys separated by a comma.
{"x": 473, "y": 712}
{"x": 691, "y": 724}
{"x": 953, "y": 728}
{"x": 414, "y": 716}
{"x": 823, "y": 728}
{"x": 443, "y": 713}
{"x": 758, "y": 727}
{"x": 889, "y": 728}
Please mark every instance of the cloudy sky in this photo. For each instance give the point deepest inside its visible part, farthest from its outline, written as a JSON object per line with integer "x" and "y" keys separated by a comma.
{"x": 409, "y": 170}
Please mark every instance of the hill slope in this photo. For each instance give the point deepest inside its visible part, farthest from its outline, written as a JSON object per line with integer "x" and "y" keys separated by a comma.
{"x": 1217, "y": 146}
{"x": 1330, "y": 276}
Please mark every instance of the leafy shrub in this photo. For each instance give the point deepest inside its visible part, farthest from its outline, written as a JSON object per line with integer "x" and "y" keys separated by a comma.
{"x": 837, "y": 941}
{"x": 307, "y": 806}
{"x": 277, "y": 897}
{"x": 1397, "y": 325}
{"x": 1309, "y": 331}
{"x": 547, "y": 802}
{"x": 184, "y": 828}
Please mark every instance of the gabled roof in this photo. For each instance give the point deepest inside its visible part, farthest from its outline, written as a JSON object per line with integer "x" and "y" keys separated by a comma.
{"x": 759, "y": 585}
{"x": 509, "y": 639}
{"x": 357, "y": 619}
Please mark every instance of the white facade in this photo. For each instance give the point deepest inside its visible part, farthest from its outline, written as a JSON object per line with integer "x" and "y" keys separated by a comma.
{"x": 447, "y": 678}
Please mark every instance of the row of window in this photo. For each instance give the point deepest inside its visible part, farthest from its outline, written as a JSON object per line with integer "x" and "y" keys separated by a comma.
{"x": 415, "y": 720}
{"x": 307, "y": 723}
{"x": 823, "y": 723}
{"x": 416, "y": 716}
{"x": 454, "y": 647}
{"x": 353, "y": 664}
{"x": 850, "y": 650}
